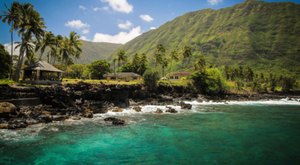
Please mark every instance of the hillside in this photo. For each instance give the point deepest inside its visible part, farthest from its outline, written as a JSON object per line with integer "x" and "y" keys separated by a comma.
{"x": 260, "y": 34}
{"x": 92, "y": 51}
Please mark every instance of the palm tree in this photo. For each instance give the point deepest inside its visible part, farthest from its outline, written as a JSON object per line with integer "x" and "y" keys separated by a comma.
{"x": 70, "y": 47}
{"x": 65, "y": 51}
{"x": 26, "y": 47}
{"x": 75, "y": 44}
{"x": 11, "y": 16}
{"x": 48, "y": 40}
{"x": 159, "y": 53}
{"x": 200, "y": 64}
{"x": 173, "y": 56}
{"x": 187, "y": 53}
{"x": 114, "y": 61}
{"x": 55, "y": 52}
{"x": 164, "y": 64}
{"x": 31, "y": 25}
{"x": 121, "y": 57}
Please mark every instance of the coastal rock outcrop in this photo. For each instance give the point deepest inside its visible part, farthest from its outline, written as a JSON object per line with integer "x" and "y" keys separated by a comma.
{"x": 115, "y": 121}
{"x": 88, "y": 113}
{"x": 158, "y": 110}
{"x": 184, "y": 105}
{"x": 7, "y": 108}
{"x": 116, "y": 109}
{"x": 137, "y": 108}
{"x": 171, "y": 110}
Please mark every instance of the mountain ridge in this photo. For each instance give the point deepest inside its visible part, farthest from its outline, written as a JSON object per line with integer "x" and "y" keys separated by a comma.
{"x": 264, "y": 35}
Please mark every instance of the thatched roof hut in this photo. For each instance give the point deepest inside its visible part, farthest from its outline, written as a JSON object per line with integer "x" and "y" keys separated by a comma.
{"x": 41, "y": 72}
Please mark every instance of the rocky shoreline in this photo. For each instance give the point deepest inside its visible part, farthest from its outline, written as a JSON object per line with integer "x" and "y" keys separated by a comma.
{"x": 82, "y": 100}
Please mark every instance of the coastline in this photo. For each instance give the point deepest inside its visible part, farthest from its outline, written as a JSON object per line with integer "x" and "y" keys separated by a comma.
{"x": 82, "y": 100}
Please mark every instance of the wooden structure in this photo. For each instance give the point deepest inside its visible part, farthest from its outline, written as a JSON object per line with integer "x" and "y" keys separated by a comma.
{"x": 42, "y": 72}
{"x": 125, "y": 76}
{"x": 178, "y": 75}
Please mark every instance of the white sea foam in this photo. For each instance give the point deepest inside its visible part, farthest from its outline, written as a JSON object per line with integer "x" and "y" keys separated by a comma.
{"x": 28, "y": 133}
{"x": 131, "y": 116}
{"x": 285, "y": 101}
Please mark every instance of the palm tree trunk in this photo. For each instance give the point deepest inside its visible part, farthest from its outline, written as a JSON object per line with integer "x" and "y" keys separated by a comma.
{"x": 19, "y": 66}
{"x": 163, "y": 71}
{"x": 170, "y": 69}
{"x": 11, "y": 53}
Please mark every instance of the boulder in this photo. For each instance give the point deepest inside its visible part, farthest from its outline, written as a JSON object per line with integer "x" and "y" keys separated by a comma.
{"x": 115, "y": 121}
{"x": 17, "y": 123}
{"x": 45, "y": 118}
{"x": 3, "y": 126}
{"x": 171, "y": 110}
{"x": 185, "y": 105}
{"x": 88, "y": 113}
{"x": 31, "y": 121}
{"x": 58, "y": 117}
{"x": 75, "y": 118}
{"x": 117, "y": 109}
{"x": 158, "y": 111}
{"x": 118, "y": 122}
{"x": 7, "y": 108}
{"x": 137, "y": 108}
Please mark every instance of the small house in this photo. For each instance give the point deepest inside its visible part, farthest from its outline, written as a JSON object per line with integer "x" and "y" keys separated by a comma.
{"x": 125, "y": 76}
{"x": 178, "y": 75}
{"x": 42, "y": 72}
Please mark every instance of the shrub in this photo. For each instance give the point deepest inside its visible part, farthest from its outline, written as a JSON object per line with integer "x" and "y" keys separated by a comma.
{"x": 5, "y": 62}
{"x": 98, "y": 68}
{"x": 209, "y": 82}
{"x": 150, "y": 79}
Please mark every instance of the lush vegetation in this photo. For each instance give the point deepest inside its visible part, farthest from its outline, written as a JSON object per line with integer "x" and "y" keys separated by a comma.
{"x": 98, "y": 68}
{"x": 5, "y": 63}
{"x": 225, "y": 49}
{"x": 30, "y": 26}
{"x": 262, "y": 35}
{"x": 93, "y": 81}
{"x": 151, "y": 78}
{"x": 246, "y": 79}
{"x": 137, "y": 65}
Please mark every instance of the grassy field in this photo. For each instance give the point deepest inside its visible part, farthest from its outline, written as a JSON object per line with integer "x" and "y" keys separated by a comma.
{"x": 174, "y": 82}
{"x": 107, "y": 82}
{"x": 6, "y": 81}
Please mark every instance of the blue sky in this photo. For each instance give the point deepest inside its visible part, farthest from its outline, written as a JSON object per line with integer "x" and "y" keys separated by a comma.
{"x": 116, "y": 21}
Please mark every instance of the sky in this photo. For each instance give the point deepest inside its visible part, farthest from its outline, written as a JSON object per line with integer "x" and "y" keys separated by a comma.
{"x": 115, "y": 21}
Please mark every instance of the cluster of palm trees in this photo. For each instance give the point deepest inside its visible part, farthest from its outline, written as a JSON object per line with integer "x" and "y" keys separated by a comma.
{"x": 30, "y": 26}
{"x": 161, "y": 57}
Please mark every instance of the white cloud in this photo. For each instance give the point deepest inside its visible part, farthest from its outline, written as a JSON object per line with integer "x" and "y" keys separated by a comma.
{"x": 84, "y": 38}
{"x": 85, "y": 31}
{"x": 146, "y": 17}
{"x": 119, "y": 5}
{"x": 105, "y": 8}
{"x": 214, "y": 2}
{"x": 121, "y": 37}
{"x": 126, "y": 25}
{"x": 82, "y": 7}
{"x": 77, "y": 24}
{"x": 152, "y": 28}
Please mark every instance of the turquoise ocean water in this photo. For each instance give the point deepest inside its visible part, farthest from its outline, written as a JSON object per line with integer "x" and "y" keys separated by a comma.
{"x": 208, "y": 134}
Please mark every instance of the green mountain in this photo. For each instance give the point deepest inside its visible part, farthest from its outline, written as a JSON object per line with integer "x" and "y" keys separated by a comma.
{"x": 259, "y": 34}
{"x": 92, "y": 51}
